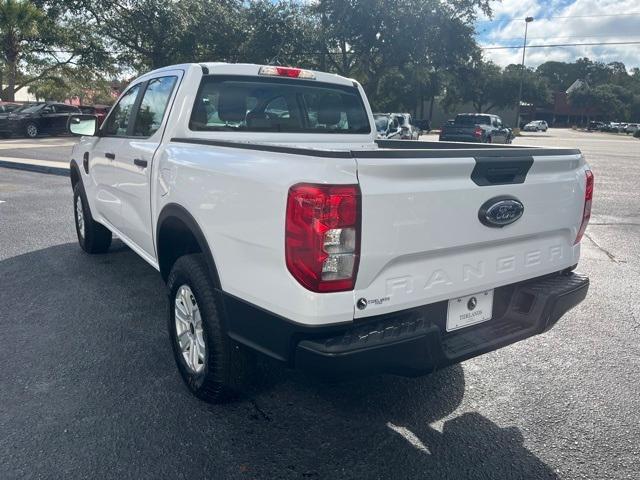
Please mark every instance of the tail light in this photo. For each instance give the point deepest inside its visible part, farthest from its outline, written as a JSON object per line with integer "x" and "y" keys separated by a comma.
{"x": 289, "y": 72}
{"x": 322, "y": 236}
{"x": 586, "y": 213}
{"x": 477, "y": 132}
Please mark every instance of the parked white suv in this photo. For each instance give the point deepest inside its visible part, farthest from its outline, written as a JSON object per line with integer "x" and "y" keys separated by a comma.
{"x": 281, "y": 226}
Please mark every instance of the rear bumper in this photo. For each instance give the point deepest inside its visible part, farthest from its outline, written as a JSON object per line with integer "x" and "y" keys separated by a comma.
{"x": 410, "y": 342}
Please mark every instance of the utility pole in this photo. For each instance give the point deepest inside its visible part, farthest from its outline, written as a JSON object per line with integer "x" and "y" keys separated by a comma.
{"x": 527, "y": 21}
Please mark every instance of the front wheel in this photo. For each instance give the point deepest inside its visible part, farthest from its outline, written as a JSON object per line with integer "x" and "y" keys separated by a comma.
{"x": 92, "y": 236}
{"x": 31, "y": 130}
{"x": 211, "y": 365}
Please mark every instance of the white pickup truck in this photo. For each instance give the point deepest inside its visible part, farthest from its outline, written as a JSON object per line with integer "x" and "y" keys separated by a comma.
{"x": 281, "y": 226}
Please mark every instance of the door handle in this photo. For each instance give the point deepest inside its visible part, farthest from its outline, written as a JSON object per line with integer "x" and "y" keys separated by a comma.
{"x": 140, "y": 163}
{"x": 110, "y": 156}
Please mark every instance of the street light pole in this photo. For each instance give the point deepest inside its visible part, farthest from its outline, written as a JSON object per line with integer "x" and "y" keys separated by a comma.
{"x": 527, "y": 21}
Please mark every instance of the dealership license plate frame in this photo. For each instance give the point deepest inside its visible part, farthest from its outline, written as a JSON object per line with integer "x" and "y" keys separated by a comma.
{"x": 459, "y": 315}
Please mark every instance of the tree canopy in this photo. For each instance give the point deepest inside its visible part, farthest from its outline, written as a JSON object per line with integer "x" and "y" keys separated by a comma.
{"x": 406, "y": 54}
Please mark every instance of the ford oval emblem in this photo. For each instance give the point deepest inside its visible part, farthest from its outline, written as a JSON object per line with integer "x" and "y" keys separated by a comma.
{"x": 498, "y": 212}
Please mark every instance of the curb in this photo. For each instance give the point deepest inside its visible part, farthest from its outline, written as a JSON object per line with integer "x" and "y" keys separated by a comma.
{"x": 33, "y": 167}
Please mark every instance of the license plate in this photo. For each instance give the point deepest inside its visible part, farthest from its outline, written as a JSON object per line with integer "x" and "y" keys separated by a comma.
{"x": 469, "y": 310}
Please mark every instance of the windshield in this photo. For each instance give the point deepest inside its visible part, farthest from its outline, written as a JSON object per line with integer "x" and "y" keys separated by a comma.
{"x": 255, "y": 104}
{"x": 382, "y": 123}
{"x": 473, "y": 120}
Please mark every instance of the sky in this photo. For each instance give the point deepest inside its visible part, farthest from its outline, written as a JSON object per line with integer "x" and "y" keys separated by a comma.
{"x": 584, "y": 21}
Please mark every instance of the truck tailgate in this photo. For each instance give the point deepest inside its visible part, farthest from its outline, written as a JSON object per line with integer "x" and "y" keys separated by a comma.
{"x": 423, "y": 241}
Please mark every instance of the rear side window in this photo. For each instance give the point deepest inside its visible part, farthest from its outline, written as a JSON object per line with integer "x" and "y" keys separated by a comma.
{"x": 153, "y": 105}
{"x": 66, "y": 109}
{"x": 250, "y": 104}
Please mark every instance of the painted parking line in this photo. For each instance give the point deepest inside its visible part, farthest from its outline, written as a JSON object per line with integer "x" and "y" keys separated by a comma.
{"x": 43, "y": 166}
{"x": 14, "y": 146}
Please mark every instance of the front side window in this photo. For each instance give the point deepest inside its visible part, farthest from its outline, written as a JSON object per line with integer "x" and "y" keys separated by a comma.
{"x": 250, "y": 104}
{"x": 153, "y": 105}
{"x": 117, "y": 124}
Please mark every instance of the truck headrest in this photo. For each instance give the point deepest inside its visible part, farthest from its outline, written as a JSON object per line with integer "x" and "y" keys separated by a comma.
{"x": 329, "y": 110}
{"x": 232, "y": 104}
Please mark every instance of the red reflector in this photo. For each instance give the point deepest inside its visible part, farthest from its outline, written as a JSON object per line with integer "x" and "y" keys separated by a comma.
{"x": 477, "y": 132}
{"x": 322, "y": 236}
{"x": 586, "y": 213}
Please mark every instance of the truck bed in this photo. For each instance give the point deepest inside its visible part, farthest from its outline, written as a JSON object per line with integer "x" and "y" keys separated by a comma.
{"x": 422, "y": 241}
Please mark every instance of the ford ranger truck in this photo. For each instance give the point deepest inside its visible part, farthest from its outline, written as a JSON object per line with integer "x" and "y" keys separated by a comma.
{"x": 282, "y": 227}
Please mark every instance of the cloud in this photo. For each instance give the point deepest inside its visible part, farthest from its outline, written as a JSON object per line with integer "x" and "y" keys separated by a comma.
{"x": 588, "y": 21}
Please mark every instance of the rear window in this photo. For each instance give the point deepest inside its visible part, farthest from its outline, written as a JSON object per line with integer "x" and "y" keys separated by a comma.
{"x": 473, "y": 120}
{"x": 250, "y": 104}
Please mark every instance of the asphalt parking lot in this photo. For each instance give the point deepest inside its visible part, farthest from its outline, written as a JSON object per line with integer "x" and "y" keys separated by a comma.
{"x": 88, "y": 387}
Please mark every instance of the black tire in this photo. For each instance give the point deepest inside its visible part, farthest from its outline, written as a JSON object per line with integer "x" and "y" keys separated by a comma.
{"x": 93, "y": 237}
{"x": 489, "y": 140}
{"x": 226, "y": 365}
{"x": 31, "y": 130}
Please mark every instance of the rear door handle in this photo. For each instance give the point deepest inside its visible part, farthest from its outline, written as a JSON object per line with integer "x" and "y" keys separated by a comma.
{"x": 110, "y": 156}
{"x": 140, "y": 163}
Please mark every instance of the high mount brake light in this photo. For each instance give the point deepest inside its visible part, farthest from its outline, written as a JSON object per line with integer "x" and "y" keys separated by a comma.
{"x": 322, "y": 236}
{"x": 586, "y": 212}
{"x": 289, "y": 72}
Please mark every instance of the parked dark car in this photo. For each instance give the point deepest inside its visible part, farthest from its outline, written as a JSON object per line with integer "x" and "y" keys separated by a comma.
{"x": 6, "y": 107}
{"x": 476, "y": 127}
{"x": 423, "y": 125}
{"x": 595, "y": 126}
{"x": 99, "y": 111}
{"x": 5, "y": 132}
{"x": 35, "y": 119}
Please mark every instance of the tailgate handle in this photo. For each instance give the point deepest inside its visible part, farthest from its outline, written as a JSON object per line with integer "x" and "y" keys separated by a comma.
{"x": 501, "y": 170}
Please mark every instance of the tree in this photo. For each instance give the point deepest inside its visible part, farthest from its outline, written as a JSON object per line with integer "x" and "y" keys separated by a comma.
{"x": 154, "y": 33}
{"x": 278, "y": 32}
{"x": 39, "y": 38}
{"x": 417, "y": 41}
{"x": 87, "y": 85}
{"x": 19, "y": 22}
{"x": 535, "y": 90}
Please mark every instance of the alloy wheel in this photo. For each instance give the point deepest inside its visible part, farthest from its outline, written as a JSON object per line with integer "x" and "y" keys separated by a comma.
{"x": 189, "y": 329}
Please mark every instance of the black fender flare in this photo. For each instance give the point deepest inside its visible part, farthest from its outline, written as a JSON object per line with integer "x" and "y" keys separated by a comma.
{"x": 74, "y": 169}
{"x": 173, "y": 210}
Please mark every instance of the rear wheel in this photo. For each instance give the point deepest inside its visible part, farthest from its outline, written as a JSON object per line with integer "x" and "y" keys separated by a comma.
{"x": 92, "y": 236}
{"x": 31, "y": 130}
{"x": 211, "y": 365}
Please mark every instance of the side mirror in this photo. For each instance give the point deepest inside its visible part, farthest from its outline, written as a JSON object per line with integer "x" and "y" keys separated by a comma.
{"x": 83, "y": 125}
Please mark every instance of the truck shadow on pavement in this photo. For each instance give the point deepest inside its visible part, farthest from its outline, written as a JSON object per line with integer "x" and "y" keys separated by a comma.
{"x": 89, "y": 389}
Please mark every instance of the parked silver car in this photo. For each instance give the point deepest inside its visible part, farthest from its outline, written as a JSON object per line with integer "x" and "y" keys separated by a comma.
{"x": 387, "y": 126}
{"x": 536, "y": 126}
